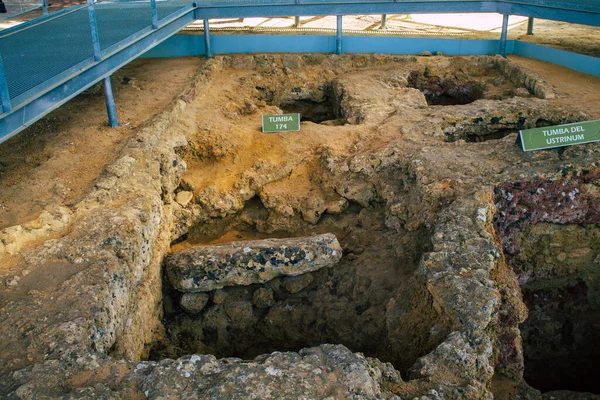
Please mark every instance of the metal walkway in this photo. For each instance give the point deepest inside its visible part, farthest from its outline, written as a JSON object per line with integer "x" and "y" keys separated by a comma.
{"x": 51, "y": 59}
{"x": 47, "y": 61}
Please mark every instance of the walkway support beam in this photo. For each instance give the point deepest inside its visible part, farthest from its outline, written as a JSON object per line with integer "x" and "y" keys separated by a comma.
{"x": 503, "y": 36}
{"x": 338, "y": 36}
{"x": 111, "y": 108}
{"x": 383, "y": 21}
{"x": 207, "y": 52}
{"x": 530, "y": 26}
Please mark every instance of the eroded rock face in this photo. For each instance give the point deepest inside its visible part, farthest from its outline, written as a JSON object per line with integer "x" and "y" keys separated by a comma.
{"x": 560, "y": 201}
{"x": 550, "y": 234}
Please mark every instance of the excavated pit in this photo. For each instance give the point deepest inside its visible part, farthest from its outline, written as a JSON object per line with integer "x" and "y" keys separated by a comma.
{"x": 370, "y": 301}
{"x": 422, "y": 282}
{"x": 551, "y": 238}
{"x": 375, "y": 300}
{"x": 318, "y": 102}
{"x": 462, "y": 83}
{"x": 319, "y": 107}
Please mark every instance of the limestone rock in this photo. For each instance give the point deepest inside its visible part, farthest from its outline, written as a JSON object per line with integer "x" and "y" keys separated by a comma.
{"x": 193, "y": 302}
{"x": 122, "y": 167}
{"x": 294, "y": 284}
{"x": 219, "y": 296}
{"x": 52, "y": 220}
{"x": 183, "y": 198}
{"x": 248, "y": 108}
{"x": 311, "y": 373}
{"x": 263, "y": 298}
{"x": 240, "y": 313}
{"x": 291, "y": 60}
{"x": 205, "y": 268}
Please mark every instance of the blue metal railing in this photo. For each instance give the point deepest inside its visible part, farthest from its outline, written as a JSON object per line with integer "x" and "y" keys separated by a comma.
{"x": 49, "y": 60}
{"x": 29, "y": 54}
{"x": 4, "y": 96}
{"x": 30, "y": 66}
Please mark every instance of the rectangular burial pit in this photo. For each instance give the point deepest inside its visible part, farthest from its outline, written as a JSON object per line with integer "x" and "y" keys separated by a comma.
{"x": 551, "y": 238}
{"x": 560, "y": 278}
{"x": 317, "y": 102}
{"x": 368, "y": 299}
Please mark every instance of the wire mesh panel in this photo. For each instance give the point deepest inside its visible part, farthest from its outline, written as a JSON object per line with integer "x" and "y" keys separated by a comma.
{"x": 15, "y": 7}
{"x": 118, "y": 21}
{"x": 52, "y": 50}
{"x": 40, "y": 52}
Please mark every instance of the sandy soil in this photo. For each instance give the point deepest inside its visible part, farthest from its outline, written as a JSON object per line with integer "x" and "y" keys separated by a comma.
{"x": 56, "y": 160}
{"x": 575, "y": 89}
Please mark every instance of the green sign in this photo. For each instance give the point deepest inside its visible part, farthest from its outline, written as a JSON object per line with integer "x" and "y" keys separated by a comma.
{"x": 281, "y": 122}
{"x": 560, "y": 135}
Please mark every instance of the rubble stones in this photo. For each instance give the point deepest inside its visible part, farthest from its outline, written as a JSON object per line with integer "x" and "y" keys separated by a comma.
{"x": 205, "y": 268}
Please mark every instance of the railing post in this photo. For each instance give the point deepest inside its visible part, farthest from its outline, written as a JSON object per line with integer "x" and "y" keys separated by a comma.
{"x": 503, "y": 36}
{"x": 4, "y": 96}
{"x": 207, "y": 52}
{"x": 297, "y": 17}
{"x": 530, "y": 26}
{"x": 338, "y": 36}
{"x": 111, "y": 108}
{"x": 94, "y": 28}
{"x": 154, "y": 14}
{"x": 383, "y": 21}
{"x": 45, "y": 7}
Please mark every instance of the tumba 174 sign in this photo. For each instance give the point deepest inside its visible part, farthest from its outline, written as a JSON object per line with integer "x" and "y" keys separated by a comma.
{"x": 560, "y": 135}
{"x": 281, "y": 122}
